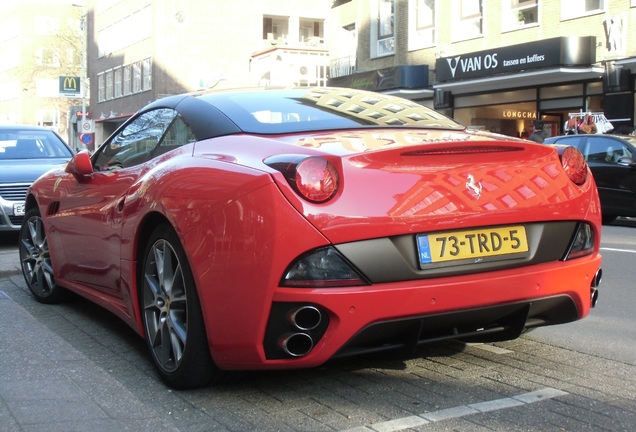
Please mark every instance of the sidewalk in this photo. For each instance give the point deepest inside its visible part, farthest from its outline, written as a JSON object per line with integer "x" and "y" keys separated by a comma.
{"x": 47, "y": 385}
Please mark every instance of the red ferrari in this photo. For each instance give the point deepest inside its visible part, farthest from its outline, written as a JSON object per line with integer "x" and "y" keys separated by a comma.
{"x": 282, "y": 228}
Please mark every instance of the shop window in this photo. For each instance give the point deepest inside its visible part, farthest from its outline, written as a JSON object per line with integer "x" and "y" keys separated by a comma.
{"x": 275, "y": 29}
{"x": 507, "y": 119}
{"x": 519, "y": 13}
{"x": 421, "y": 24}
{"x": 382, "y": 33}
{"x": 467, "y": 19}
{"x": 579, "y": 8}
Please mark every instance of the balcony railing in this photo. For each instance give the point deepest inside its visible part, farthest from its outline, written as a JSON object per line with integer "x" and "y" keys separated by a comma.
{"x": 342, "y": 66}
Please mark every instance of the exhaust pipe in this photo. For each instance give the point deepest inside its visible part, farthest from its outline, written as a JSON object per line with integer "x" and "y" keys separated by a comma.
{"x": 596, "y": 281}
{"x": 305, "y": 317}
{"x": 296, "y": 344}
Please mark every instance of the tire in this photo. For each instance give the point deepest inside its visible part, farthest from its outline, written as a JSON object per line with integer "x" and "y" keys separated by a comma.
{"x": 35, "y": 260}
{"x": 171, "y": 314}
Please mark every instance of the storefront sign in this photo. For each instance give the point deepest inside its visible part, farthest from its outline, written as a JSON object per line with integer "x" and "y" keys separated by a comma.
{"x": 69, "y": 86}
{"x": 510, "y": 114}
{"x": 405, "y": 77}
{"x": 560, "y": 51}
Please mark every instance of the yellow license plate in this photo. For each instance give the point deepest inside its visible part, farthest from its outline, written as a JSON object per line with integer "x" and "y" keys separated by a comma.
{"x": 473, "y": 244}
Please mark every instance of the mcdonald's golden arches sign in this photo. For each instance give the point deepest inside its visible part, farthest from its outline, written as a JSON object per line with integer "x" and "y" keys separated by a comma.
{"x": 70, "y": 86}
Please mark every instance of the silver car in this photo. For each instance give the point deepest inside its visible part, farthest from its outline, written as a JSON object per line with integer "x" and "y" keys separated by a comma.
{"x": 26, "y": 152}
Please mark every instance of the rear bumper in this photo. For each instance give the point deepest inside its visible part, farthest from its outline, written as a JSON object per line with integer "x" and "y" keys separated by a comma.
{"x": 490, "y": 306}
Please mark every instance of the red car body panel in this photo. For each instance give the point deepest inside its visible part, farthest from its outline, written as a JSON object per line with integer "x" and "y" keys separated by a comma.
{"x": 241, "y": 224}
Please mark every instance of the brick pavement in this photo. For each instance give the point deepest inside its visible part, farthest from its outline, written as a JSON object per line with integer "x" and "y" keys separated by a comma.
{"x": 74, "y": 367}
{"x": 48, "y": 385}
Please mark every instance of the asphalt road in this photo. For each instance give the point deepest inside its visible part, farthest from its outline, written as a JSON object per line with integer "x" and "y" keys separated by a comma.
{"x": 74, "y": 367}
{"x": 610, "y": 329}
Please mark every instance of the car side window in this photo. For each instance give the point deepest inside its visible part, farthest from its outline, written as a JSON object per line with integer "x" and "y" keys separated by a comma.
{"x": 178, "y": 134}
{"x": 135, "y": 144}
{"x": 604, "y": 150}
{"x": 573, "y": 141}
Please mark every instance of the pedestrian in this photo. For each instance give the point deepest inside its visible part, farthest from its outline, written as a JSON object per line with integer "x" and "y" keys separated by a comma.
{"x": 539, "y": 135}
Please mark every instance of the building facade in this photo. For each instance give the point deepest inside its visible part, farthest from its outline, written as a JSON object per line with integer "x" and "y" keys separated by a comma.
{"x": 40, "y": 42}
{"x": 142, "y": 50}
{"x": 494, "y": 64}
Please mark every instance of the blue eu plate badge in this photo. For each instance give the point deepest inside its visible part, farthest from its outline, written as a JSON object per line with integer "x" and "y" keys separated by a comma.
{"x": 424, "y": 249}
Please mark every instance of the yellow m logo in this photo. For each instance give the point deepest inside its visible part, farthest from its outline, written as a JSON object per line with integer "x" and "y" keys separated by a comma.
{"x": 69, "y": 83}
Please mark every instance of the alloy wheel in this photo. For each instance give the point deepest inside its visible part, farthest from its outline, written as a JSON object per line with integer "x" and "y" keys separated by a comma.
{"x": 35, "y": 258}
{"x": 165, "y": 305}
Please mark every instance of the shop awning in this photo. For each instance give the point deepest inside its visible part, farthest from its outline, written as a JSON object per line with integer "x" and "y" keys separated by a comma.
{"x": 522, "y": 80}
{"x": 411, "y": 94}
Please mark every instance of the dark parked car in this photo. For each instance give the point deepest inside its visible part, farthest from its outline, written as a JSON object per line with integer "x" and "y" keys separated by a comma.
{"x": 611, "y": 159}
{"x": 26, "y": 152}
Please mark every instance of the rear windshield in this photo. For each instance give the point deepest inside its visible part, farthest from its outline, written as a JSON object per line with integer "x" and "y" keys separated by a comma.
{"x": 286, "y": 111}
{"x": 31, "y": 144}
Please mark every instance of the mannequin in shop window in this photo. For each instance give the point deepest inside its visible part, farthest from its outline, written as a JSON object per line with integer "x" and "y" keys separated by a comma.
{"x": 539, "y": 135}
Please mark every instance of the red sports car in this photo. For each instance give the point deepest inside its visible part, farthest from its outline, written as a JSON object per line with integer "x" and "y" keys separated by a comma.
{"x": 282, "y": 228}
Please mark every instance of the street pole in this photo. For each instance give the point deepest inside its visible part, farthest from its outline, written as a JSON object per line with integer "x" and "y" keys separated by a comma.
{"x": 82, "y": 4}
{"x": 83, "y": 83}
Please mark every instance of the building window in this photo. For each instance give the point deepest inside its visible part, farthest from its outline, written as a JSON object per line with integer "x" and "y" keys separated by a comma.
{"x": 47, "y": 57}
{"x": 421, "y": 24}
{"x": 311, "y": 32}
{"x": 136, "y": 77}
{"x": 46, "y": 25}
{"x": 578, "y": 8}
{"x": 117, "y": 79}
{"x": 382, "y": 32}
{"x": 468, "y": 19}
{"x": 101, "y": 88}
{"x": 519, "y": 13}
{"x": 109, "y": 84}
{"x": 275, "y": 29}
{"x": 48, "y": 118}
{"x": 147, "y": 74}
{"x": 127, "y": 80}
{"x": 343, "y": 58}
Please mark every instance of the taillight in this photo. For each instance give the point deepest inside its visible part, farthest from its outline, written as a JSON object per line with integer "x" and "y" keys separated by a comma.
{"x": 574, "y": 165}
{"x": 316, "y": 179}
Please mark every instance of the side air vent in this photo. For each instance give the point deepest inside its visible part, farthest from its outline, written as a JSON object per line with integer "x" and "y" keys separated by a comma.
{"x": 54, "y": 207}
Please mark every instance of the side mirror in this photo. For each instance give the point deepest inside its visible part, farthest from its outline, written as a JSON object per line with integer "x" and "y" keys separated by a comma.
{"x": 80, "y": 164}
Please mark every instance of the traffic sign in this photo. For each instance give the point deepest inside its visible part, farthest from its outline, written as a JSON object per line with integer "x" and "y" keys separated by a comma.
{"x": 86, "y": 126}
{"x": 86, "y": 138}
